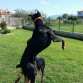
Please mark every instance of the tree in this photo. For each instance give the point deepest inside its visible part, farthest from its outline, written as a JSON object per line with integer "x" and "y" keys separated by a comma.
{"x": 73, "y": 18}
{"x": 65, "y": 16}
{"x": 20, "y": 13}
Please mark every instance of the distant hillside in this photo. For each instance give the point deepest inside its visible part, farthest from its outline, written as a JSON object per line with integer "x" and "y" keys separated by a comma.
{"x": 54, "y": 16}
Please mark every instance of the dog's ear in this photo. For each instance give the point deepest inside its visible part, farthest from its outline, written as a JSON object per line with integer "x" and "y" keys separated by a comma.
{"x": 38, "y": 12}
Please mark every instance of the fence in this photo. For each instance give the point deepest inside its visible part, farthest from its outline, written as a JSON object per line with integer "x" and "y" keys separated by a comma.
{"x": 13, "y": 22}
{"x": 72, "y": 26}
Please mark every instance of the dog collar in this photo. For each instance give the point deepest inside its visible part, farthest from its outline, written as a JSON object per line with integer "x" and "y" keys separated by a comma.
{"x": 38, "y": 18}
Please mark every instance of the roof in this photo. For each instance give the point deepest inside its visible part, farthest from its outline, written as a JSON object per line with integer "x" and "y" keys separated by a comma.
{"x": 6, "y": 12}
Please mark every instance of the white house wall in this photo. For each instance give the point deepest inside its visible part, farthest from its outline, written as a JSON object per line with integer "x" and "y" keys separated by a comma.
{"x": 80, "y": 14}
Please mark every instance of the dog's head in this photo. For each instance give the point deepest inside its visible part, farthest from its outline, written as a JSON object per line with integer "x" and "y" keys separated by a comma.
{"x": 35, "y": 15}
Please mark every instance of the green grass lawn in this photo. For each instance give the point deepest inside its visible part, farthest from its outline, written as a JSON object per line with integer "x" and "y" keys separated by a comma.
{"x": 77, "y": 28}
{"x": 61, "y": 66}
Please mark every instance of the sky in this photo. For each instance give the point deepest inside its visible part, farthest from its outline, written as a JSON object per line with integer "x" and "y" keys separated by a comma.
{"x": 49, "y": 7}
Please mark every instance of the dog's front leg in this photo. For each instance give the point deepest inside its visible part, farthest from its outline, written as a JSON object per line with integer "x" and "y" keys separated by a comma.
{"x": 60, "y": 40}
{"x": 56, "y": 39}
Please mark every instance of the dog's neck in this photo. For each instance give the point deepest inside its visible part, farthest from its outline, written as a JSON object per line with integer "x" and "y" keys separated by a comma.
{"x": 38, "y": 22}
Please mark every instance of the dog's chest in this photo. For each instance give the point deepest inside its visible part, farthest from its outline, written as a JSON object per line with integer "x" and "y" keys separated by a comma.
{"x": 41, "y": 34}
{"x": 41, "y": 37}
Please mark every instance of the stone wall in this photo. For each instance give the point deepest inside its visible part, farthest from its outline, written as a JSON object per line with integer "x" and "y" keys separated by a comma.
{"x": 13, "y": 22}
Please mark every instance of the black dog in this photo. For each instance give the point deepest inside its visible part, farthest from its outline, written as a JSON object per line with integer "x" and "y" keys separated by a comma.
{"x": 41, "y": 39}
{"x": 40, "y": 64}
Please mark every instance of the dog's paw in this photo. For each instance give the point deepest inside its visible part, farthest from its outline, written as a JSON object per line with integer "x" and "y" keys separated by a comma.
{"x": 18, "y": 66}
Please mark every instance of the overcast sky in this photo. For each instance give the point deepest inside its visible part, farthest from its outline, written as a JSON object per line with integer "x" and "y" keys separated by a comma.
{"x": 49, "y": 7}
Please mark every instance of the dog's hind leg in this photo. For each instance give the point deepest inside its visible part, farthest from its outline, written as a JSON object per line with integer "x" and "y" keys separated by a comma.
{"x": 32, "y": 79}
{"x": 19, "y": 77}
{"x": 27, "y": 80}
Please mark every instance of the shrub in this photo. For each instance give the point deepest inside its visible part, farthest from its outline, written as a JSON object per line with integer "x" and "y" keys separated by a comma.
{"x": 3, "y": 25}
{"x": 6, "y": 31}
{"x": 0, "y": 30}
{"x": 18, "y": 27}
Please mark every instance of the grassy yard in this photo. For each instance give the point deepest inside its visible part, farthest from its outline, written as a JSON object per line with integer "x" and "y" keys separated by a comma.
{"x": 61, "y": 66}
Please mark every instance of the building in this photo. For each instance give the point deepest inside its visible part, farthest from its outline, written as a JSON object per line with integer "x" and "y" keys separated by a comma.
{"x": 80, "y": 13}
{"x": 5, "y": 13}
